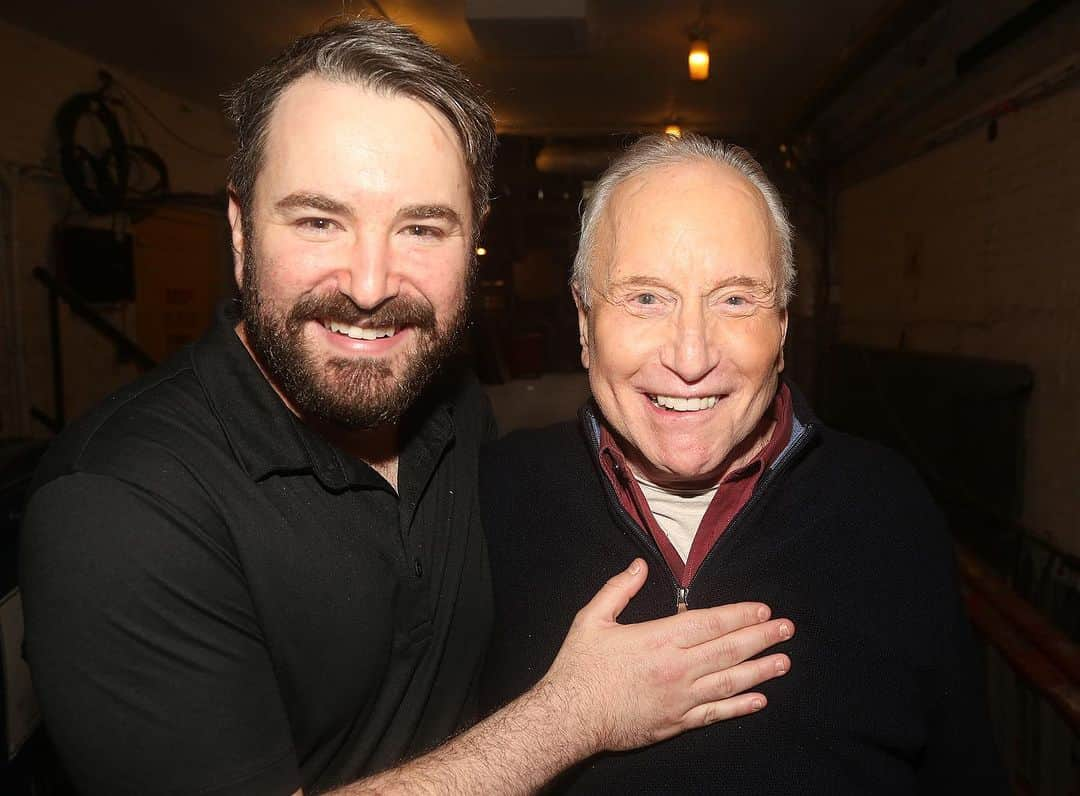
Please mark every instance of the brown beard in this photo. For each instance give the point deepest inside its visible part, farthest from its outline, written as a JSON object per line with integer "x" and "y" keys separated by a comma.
{"x": 352, "y": 392}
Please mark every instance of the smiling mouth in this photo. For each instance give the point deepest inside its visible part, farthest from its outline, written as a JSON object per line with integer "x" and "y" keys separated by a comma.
{"x": 360, "y": 332}
{"x": 675, "y": 404}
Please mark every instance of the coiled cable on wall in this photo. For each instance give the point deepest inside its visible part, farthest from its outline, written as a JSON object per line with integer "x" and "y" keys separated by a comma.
{"x": 101, "y": 180}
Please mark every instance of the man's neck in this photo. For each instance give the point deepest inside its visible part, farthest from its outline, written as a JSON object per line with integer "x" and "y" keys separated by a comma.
{"x": 377, "y": 447}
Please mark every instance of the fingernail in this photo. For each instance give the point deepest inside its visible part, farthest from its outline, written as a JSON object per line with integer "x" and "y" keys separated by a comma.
{"x": 763, "y": 613}
{"x": 781, "y": 666}
{"x": 635, "y": 568}
{"x": 757, "y": 704}
{"x": 785, "y": 630}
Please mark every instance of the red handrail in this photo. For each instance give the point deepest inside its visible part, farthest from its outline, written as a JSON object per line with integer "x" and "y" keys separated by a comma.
{"x": 1035, "y": 649}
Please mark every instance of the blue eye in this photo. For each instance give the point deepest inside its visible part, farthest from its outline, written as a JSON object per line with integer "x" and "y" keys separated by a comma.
{"x": 735, "y": 301}
{"x": 646, "y": 298}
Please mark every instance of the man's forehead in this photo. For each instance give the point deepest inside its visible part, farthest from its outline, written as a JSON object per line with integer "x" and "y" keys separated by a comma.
{"x": 312, "y": 97}
{"x": 679, "y": 187}
{"x": 334, "y": 136}
{"x": 693, "y": 210}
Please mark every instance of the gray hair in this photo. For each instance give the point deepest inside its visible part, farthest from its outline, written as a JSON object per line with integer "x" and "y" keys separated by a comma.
{"x": 665, "y": 150}
{"x": 381, "y": 56}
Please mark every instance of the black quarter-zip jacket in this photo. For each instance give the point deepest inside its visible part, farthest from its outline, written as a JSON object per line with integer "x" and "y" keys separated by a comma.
{"x": 884, "y": 695}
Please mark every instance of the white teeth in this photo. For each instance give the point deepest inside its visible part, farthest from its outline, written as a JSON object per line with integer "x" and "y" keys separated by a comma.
{"x": 685, "y": 404}
{"x": 358, "y": 332}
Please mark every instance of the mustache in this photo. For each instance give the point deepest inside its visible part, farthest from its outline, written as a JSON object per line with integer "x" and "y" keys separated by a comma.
{"x": 398, "y": 311}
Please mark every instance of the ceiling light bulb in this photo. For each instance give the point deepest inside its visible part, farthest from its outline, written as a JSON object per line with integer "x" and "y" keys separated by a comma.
{"x": 480, "y": 251}
{"x": 673, "y": 130}
{"x": 699, "y": 59}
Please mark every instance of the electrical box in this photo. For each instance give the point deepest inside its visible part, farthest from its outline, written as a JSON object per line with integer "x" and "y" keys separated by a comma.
{"x": 96, "y": 263}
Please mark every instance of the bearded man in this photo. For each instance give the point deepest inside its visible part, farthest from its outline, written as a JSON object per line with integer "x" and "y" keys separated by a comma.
{"x": 259, "y": 569}
{"x": 696, "y": 455}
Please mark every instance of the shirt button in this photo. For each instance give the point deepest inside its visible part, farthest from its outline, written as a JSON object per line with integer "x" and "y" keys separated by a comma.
{"x": 418, "y": 568}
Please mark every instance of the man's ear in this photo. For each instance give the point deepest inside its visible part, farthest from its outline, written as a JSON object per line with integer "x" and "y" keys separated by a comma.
{"x": 583, "y": 326}
{"x": 783, "y": 339}
{"x": 236, "y": 233}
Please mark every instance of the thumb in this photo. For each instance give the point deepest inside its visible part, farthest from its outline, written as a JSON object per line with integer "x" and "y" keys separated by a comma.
{"x": 612, "y": 598}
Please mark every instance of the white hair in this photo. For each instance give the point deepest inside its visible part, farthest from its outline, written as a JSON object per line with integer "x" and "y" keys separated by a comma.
{"x": 652, "y": 151}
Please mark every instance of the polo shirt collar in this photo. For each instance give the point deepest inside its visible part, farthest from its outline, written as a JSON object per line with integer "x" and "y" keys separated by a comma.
{"x": 266, "y": 438}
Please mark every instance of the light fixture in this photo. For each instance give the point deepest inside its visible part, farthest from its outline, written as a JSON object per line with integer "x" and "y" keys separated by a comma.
{"x": 673, "y": 130}
{"x": 480, "y": 251}
{"x": 698, "y": 59}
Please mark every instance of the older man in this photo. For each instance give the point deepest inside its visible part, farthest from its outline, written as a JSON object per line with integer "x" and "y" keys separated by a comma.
{"x": 259, "y": 569}
{"x": 697, "y": 456}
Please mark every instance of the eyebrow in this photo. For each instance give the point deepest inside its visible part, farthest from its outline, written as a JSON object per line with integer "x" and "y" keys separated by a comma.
{"x": 747, "y": 282}
{"x": 733, "y": 281}
{"x": 427, "y": 212}
{"x": 636, "y": 280}
{"x": 302, "y": 200}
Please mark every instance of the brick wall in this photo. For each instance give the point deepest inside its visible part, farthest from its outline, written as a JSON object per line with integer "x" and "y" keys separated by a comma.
{"x": 36, "y": 76}
{"x": 974, "y": 249}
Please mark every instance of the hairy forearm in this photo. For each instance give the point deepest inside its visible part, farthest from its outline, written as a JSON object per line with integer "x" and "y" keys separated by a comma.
{"x": 515, "y": 750}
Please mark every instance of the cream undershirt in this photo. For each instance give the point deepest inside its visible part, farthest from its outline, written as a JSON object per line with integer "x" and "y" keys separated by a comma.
{"x": 678, "y": 512}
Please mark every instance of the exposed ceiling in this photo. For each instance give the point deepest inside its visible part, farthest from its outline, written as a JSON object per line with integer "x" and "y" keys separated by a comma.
{"x": 769, "y": 57}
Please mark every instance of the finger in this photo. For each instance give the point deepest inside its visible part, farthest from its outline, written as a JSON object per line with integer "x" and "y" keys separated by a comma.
{"x": 729, "y": 682}
{"x": 612, "y": 598}
{"x": 705, "y": 624}
{"x": 731, "y": 708}
{"x": 738, "y": 646}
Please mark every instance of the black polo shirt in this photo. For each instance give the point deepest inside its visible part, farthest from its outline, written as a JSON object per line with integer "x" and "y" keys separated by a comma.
{"x": 219, "y": 601}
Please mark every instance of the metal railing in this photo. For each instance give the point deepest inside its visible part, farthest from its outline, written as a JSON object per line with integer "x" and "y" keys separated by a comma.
{"x": 1033, "y": 682}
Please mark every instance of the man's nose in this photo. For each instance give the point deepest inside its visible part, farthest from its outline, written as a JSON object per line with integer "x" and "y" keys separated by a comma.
{"x": 690, "y": 354}
{"x": 369, "y": 277}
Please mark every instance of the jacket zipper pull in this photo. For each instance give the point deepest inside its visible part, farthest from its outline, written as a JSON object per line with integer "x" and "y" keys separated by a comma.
{"x": 681, "y": 594}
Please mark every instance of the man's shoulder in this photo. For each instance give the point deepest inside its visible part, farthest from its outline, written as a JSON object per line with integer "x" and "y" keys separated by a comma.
{"x": 537, "y": 445}
{"x": 872, "y": 496}
{"x": 860, "y": 462}
{"x": 846, "y": 459}
{"x": 537, "y": 459}
{"x": 163, "y": 415}
{"x": 536, "y": 478}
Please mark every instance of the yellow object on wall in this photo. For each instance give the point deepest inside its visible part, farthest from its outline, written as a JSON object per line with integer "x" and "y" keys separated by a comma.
{"x": 181, "y": 270}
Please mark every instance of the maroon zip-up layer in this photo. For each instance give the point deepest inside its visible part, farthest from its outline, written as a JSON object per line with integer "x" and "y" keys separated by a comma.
{"x": 732, "y": 493}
